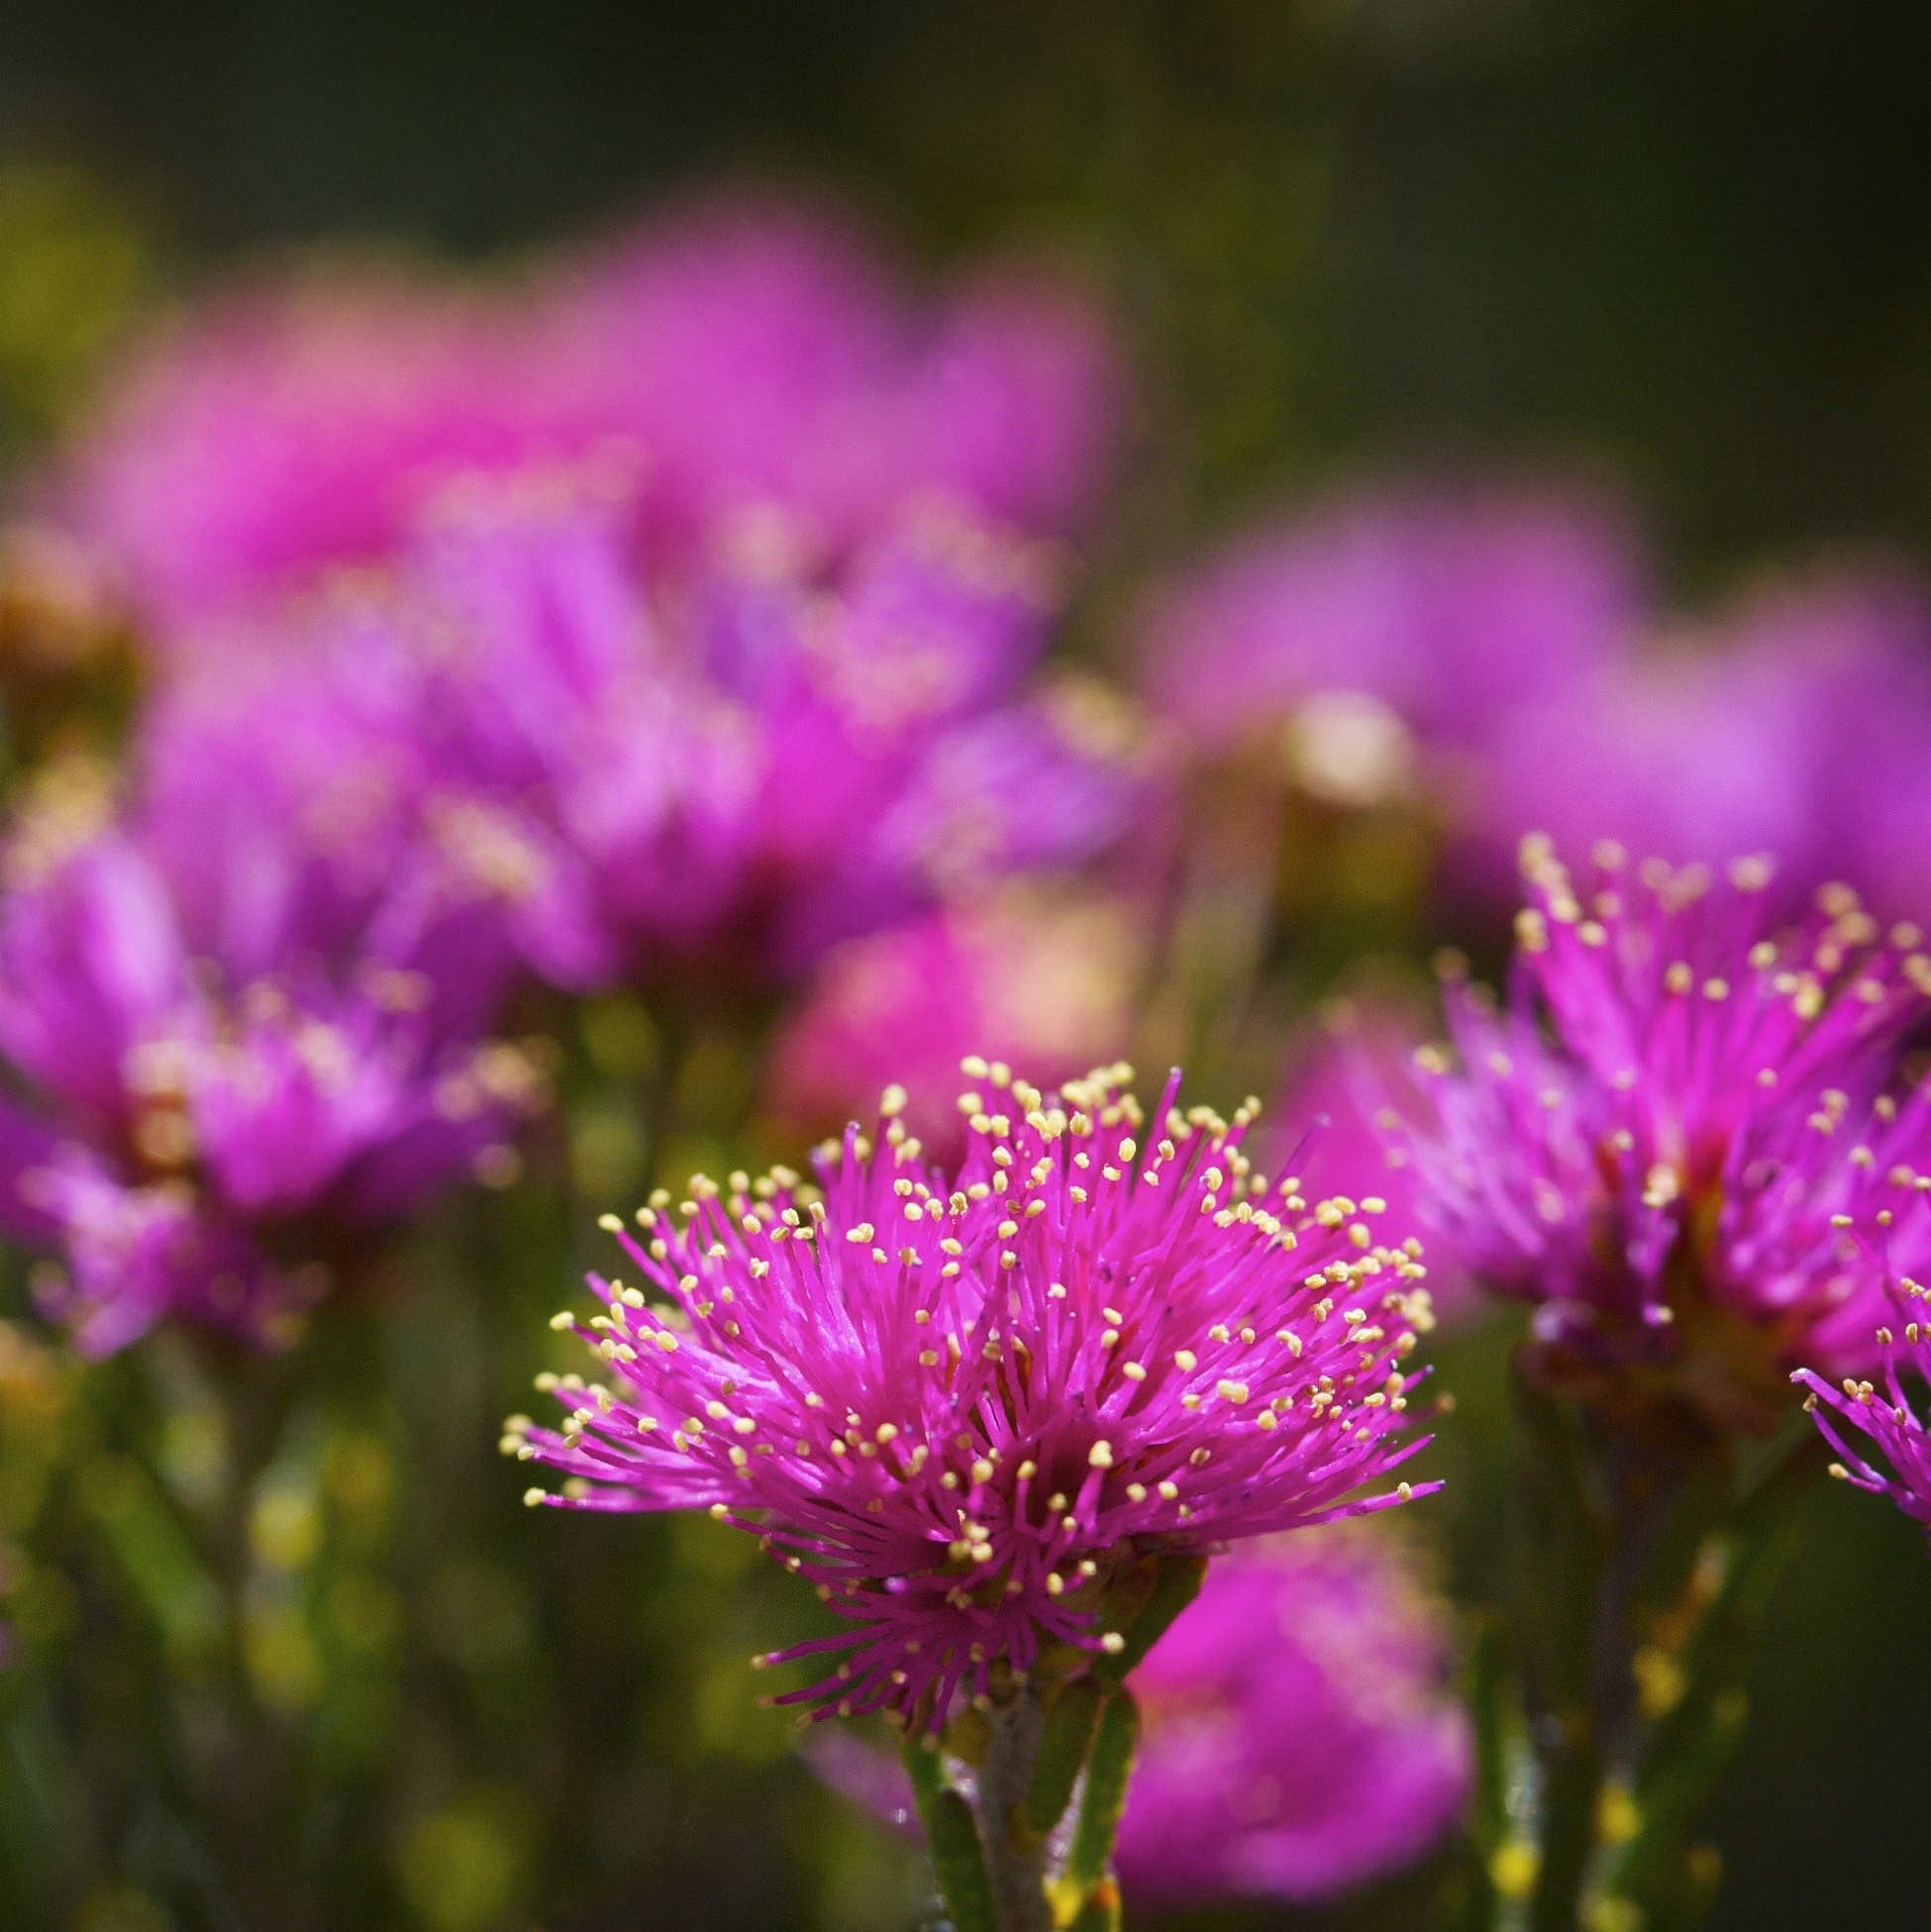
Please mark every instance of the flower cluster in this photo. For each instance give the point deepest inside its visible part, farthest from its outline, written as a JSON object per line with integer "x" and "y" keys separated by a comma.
{"x": 1794, "y": 725}
{"x": 754, "y": 367}
{"x": 673, "y": 614}
{"x": 233, "y": 1085}
{"x": 1433, "y": 611}
{"x": 1379, "y": 641}
{"x": 1489, "y": 660}
{"x": 1326, "y": 1635}
{"x": 959, "y": 1408}
{"x": 692, "y": 592}
{"x": 1665, "y": 1137}
{"x": 750, "y": 779}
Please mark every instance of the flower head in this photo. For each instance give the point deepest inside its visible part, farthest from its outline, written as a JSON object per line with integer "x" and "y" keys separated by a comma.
{"x": 766, "y": 377}
{"x": 1415, "y": 618}
{"x": 963, "y": 1408}
{"x": 1326, "y": 1635}
{"x": 230, "y": 1088}
{"x": 634, "y": 782}
{"x": 1658, "y": 1139}
{"x": 1794, "y": 725}
{"x": 1044, "y": 979}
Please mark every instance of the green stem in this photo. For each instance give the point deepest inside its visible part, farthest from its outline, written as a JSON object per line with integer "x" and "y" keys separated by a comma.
{"x": 956, "y": 1865}
{"x": 1015, "y": 1856}
{"x": 1571, "y": 1793}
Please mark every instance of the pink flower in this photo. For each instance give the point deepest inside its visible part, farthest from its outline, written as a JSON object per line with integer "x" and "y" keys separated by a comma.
{"x": 1324, "y": 1635}
{"x": 755, "y": 369}
{"x": 1658, "y": 1139}
{"x": 1795, "y": 725}
{"x": 1432, "y": 611}
{"x": 1339, "y": 1077}
{"x": 959, "y": 1408}
{"x": 1041, "y": 979}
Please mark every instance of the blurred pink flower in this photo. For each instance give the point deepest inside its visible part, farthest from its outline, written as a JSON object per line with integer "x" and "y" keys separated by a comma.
{"x": 756, "y": 369}
{"x": 1431, "y": 611}
{"x": 1323, "y": 1635}
{"x": 1797, "y": 725}
{"x": 1044, "y": 980}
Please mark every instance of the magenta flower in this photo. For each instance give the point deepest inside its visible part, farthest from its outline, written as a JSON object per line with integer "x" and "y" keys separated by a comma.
{"x": 756, "y": 368}
{"x": 730, "y": 785}
{"x": 961, "y": 1408}
{"x": 1045, "y": 981}
{"x": 287, "y": 427}
{"x": 1794, "y": 726}
{"x": 1657, "y": 1140}
{"x": 1390, "y": 630}
{"x": 230, "y": 1095}
{"x": 1326, "y": 1635}
{"x": 1339, "y": 1077}
{"x": 1882, "y": 1414}
{"x": 766, "y": 368}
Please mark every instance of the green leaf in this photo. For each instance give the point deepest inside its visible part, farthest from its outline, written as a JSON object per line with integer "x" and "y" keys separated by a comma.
{"x": 1063, "y": 1748}
{"x": 1107, "y": 1770}
{"x": 1175, "y": 1585}
{"x": 952, "y": 1837}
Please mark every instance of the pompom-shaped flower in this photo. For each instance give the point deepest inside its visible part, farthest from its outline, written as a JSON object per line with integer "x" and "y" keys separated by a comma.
{"x": 962, "y": 1410}
{"x": 1663, "y": 1137}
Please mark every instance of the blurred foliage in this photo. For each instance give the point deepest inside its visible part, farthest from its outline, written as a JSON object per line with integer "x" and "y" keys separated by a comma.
{"x": 73, "y": 267}
{"x": 289, "y": 1652}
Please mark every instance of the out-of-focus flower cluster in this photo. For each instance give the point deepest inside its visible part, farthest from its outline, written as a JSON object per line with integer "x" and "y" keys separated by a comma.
{"x": 674, "y": 624}
{"x": 666, "y": 620}
{"x": 1489, "y": 656}
{"x": 1327, "y": 1637}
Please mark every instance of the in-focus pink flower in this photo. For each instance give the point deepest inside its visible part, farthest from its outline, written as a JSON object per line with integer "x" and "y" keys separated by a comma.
{"x": 1658, "y": 1139}
{"x": 959, "y": 1407}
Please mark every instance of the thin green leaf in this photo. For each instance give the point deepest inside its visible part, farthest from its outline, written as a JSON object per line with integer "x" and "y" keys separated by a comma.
{"x": 1107, "y": 1772}
{"x": 1063, "y": 1745}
